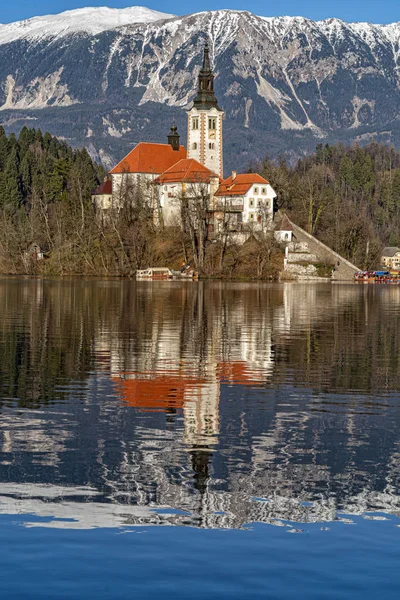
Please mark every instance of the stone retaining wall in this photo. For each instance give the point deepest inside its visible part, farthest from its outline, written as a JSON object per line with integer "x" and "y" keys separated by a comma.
{"x": 302, "y": 257}
{"x": 344, "y": 269}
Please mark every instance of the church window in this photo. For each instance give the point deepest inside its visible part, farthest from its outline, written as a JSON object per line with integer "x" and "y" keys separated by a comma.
{"x": 194, "y": 146}
{"x": 195, "y": 122}
{"x": 211, "y": 145}
{"x": 212, "y": 123}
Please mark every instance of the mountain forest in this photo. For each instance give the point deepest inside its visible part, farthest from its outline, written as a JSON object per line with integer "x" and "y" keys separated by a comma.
{"x": 348, "y": 197}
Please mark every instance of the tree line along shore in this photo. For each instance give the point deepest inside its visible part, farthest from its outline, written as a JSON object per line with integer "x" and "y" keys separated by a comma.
{"x": 348, "y": 197}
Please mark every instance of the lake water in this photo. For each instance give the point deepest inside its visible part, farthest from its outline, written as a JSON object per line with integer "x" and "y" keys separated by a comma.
{"x": 164, "y": 440}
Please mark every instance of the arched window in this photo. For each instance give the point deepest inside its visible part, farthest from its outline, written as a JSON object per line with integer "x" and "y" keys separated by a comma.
{"x": 194, "y": 146}
{"x": 211, "y": 145}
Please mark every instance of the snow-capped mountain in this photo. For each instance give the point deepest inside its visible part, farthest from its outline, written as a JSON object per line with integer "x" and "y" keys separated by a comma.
{"x": 110, "y": 78}
{"x": 82, "y": 20}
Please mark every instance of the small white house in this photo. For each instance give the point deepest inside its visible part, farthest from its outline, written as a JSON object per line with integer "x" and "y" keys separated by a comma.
{"x": 248, "y": 196}
{"x": 390, "y": 257}
{"x": 284, "y": 231}
{"x": 102, "y": 197}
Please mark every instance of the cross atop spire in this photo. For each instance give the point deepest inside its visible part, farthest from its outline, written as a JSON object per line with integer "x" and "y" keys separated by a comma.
{"x": 206, "y": 59}
{"x": 205, "y": 98}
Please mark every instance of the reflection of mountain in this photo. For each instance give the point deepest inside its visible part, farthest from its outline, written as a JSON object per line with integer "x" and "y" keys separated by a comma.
{"x": 198, "y": 397}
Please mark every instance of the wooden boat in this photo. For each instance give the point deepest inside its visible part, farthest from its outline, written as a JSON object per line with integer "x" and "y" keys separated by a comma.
{"x": 163, "y": 273}
{"x": 154, "y": 273}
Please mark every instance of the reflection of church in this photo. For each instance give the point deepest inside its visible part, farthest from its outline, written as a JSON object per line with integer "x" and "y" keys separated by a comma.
{"x": 235, "y": 427}
{"x": 164, "y": 173}
{"x": 165, "y": 374}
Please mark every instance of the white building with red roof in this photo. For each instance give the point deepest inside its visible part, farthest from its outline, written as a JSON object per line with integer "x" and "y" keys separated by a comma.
{"x": 168, "y": 173}
{"x": 187, "y": 179}
{"x": 246, "y": 200}
{"x": 102, "y": 196}
{"x": 138, "y": 169}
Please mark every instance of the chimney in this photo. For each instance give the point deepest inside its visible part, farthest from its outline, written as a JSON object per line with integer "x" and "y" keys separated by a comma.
{"x": 173, "y": 138}
{"x": 234, "y": 175}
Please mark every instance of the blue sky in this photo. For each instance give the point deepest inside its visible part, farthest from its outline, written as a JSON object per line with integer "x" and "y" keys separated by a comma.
{"x": 385, "y": 11}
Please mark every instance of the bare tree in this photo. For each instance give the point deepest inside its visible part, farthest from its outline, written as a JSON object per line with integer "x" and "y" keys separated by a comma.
{"x": 194, "y": 205}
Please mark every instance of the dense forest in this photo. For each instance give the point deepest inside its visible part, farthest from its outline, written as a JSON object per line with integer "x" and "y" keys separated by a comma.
{"x": 349, "y": 197}
{"x": 45, "y": 191}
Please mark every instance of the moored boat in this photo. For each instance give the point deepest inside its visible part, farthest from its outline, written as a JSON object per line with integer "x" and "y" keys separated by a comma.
{"x": 163, "y": 273}
{"x": 377, "y": 277}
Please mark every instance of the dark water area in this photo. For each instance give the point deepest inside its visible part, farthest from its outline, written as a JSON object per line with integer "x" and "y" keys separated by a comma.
{"x": 199, "y": 440}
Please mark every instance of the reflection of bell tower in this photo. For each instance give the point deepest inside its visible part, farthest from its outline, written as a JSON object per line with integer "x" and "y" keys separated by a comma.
{"x": 200, "y": 463}
{"x": 205, "y": 122}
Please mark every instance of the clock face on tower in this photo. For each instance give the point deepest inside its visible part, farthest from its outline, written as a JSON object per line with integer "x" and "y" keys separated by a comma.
{"x": 211, "y": 135}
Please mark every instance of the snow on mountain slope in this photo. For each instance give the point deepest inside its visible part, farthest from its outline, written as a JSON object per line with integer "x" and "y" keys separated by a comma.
{"x": 109, "y": 78}
{"x": 89, "y": 20}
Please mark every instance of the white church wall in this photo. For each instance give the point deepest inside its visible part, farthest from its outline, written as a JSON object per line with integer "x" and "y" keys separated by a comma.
{"x": 170, "y": 197}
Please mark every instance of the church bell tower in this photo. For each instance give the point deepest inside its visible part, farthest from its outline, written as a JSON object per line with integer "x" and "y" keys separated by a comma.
{"x": 205, "y": 122}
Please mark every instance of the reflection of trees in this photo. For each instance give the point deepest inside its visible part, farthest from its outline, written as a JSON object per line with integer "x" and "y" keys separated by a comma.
{"x": 283, "y": 400}
{"x": 344, "y": 341}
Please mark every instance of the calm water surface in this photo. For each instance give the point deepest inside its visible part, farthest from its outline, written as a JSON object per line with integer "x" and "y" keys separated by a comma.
{"x": 220, "y": 441}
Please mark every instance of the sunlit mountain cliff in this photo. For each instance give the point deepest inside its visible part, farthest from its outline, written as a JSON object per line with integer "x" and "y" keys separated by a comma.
{"x": 108, "y": 78}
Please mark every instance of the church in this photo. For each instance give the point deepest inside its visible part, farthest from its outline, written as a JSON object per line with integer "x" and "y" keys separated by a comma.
{"x": 165, "y": 173}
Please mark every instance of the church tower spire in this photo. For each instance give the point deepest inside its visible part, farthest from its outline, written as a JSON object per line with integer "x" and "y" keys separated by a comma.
{"x": 205, "y": 91}
{"x": 205, "y": 121}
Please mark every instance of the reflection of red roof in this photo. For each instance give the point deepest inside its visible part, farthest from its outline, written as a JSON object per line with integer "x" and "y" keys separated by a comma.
{"x": 170, "y": 389}
{"x": 105, "y": 188}
{"x": 186, "y": 170}
{"x": 240, "y": 185}
{"x": 236, "y": 373}
{"x": 149, "y": 158}
{"x": 159, "y": 392}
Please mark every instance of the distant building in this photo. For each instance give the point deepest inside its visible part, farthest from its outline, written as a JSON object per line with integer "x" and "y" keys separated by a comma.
{"x": 102, "y": 197}
{"x": 391, "y": 257}
{"x": 284, "y": 231}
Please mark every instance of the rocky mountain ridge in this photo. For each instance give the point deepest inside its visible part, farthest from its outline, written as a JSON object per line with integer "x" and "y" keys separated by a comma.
{"x": 285, "y": 83}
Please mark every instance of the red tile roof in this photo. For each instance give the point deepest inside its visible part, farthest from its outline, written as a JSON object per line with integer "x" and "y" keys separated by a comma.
{"x": 186, "y": 170}
{"x": 284, "y": 225}
{"x": 240, "y": 185}
{"x": 149, "y": 158}
{"x": 104, "y": 188}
